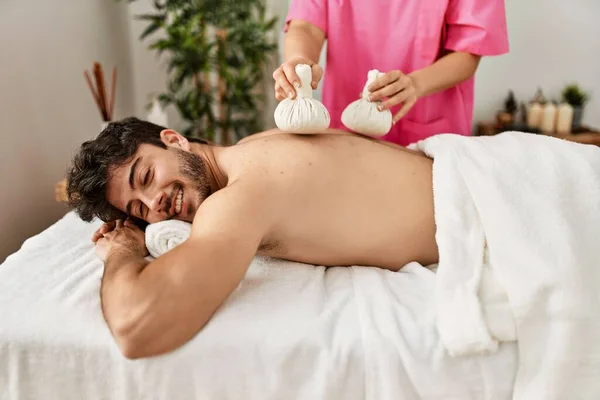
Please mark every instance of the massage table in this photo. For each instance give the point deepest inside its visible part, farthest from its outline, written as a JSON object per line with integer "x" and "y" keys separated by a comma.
{"x": 289, "y": 331}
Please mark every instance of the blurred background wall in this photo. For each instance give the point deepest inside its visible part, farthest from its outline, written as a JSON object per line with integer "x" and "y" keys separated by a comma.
{"x": 46, "y": 109}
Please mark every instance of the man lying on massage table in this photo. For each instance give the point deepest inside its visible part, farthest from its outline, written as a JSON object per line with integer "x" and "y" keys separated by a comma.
{"x": 338, "y": 199}
{"x": 330, "y": 199}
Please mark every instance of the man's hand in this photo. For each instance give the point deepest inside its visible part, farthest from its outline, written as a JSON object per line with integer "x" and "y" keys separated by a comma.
{"x": 118, "y": 236}
{"x": 105, "y": 228}
{"x": 286, "y": 79}
{"x": 398, "y": 88}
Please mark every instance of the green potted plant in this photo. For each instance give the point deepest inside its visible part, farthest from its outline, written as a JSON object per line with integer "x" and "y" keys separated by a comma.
{"x": 216, "y": 52}
{"x": 573, "y": 95}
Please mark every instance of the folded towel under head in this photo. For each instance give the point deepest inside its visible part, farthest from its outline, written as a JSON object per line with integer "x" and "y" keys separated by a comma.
{"x": 164, "y": 236}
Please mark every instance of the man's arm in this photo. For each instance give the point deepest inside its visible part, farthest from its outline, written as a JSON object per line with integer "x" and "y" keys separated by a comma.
{"x": 153, "y": 308}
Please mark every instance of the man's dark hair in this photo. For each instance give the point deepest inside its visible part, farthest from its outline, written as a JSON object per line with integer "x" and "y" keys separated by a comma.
{"x": 88, "y": 174}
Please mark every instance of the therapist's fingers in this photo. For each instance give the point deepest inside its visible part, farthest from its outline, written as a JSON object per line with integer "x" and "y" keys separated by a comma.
{"x": 279, "y": 92}
{"x": 407, "y": 94}
{"x": 317, "y": 74}
{"x": 388, "y": 91}
{"x": 403, "y": 82}
{"x": 384, "y": 80}
{"x": 289, "y": 81}
{"x": 290, "y": 73}
{"x": 281, "y": 79}
{"x": 404, "y": 109}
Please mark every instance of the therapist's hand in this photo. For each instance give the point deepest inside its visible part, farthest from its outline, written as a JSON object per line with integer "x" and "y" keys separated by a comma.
{"x": 286, "y": 79}
{"x": 394, "y": 88}
{"x": 120, "y": 237}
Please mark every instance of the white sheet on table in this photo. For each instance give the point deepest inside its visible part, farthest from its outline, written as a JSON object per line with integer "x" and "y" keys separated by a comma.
{"x": 289, "y": 331}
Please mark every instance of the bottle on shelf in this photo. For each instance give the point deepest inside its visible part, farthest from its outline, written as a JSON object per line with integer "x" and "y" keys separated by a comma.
{"x": 564, "y": 119}
{"x": 548, "y": 124}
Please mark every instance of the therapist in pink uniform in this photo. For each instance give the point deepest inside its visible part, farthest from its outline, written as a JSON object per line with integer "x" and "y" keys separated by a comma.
{"x": 428, "y": 49}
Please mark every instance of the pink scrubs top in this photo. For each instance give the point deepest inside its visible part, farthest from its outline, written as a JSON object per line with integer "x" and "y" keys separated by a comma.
{"x": 407, "y": 35}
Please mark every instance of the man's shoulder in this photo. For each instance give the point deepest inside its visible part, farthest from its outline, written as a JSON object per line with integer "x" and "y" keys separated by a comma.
{"x": 260, "y": 173}
{"x": 259, "y": 135}
{"x": 263, "y": 157}
{"x": 246, "y": 204}
{"x": 279, "y": 133}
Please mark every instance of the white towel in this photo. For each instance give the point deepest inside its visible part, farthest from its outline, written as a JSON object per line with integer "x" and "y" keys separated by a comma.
{"x": 535, "y": 201}
{"x": 166, "y": 235}
{"x": 497, "y": 312}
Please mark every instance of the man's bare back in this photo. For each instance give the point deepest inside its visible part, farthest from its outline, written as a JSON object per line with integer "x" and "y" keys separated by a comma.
{"x": 348, "y": 200}
{"x": 332, "y": 199}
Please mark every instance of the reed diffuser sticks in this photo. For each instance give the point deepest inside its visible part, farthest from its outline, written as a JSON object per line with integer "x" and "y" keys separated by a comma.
{"x": 105, "y": 101}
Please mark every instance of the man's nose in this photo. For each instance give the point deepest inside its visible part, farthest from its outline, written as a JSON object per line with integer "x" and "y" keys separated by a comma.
{"x": 159, "y": 201}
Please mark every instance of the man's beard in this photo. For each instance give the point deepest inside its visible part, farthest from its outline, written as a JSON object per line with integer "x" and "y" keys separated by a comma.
{"x": 195, "y": 170}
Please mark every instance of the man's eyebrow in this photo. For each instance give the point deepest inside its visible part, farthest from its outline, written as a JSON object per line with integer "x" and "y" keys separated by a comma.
{"x": 132, "y": 173}
{"x": 132, "y": 182}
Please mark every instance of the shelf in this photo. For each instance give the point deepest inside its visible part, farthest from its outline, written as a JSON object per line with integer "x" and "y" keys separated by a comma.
{"x": 584, "y": 135}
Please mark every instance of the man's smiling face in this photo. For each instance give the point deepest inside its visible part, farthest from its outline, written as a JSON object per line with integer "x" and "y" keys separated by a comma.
{"x": 158, "y": 184}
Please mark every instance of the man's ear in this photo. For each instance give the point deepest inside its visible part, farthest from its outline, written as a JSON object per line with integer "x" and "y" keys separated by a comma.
{"x": 171, "y": 138}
